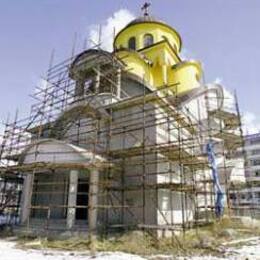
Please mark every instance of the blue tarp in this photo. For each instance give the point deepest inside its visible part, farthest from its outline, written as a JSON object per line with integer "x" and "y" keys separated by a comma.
{"x": 219, "y": 202}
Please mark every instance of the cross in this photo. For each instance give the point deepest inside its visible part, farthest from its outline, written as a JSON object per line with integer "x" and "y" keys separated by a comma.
{"x": 145, "y": 8}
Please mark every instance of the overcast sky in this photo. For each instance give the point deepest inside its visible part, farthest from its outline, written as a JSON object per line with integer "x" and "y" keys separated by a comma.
{"x": 223, "y": 34}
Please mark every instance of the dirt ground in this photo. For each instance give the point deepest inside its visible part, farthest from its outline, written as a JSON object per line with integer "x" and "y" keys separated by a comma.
{"x": 235, "y": 250}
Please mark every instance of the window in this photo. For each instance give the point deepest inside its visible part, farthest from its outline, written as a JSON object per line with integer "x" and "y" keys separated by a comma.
{"x": 256, "y": 151}
{"x": 239, "y": 153}
{"x": 165, "y": 38}
{"x": 255, "y": 162}
{"x": 132, "y": 43}
{"x": 148, "y": 40}
{"x": 89, "y": 86}
{"x": 257, "y": 173}
{"x": 232, "y": 196}
{"x": 197, "y": 76}
{"x": 255, "y": 141}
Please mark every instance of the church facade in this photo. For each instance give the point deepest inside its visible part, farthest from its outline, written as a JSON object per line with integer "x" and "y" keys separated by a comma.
{"x": 118, "y": 140}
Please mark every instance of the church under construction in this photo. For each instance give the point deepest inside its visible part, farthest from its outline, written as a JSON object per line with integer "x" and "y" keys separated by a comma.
{"x": 129, "y": 139}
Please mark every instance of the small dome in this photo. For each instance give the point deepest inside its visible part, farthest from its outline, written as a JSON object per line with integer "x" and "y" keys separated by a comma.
{"x": 145, "y": 19}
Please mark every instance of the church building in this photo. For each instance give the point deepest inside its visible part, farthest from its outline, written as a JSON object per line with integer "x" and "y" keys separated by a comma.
{"x": 118, "y": 140}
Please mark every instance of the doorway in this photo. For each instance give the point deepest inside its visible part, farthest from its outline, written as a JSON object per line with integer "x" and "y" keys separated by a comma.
{"x": 82, "y": 199}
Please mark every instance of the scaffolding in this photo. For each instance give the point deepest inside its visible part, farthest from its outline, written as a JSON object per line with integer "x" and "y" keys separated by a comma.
{"x": 150, "y": 146}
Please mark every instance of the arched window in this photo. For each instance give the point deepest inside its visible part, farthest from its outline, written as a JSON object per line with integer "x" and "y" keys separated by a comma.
{"x": 165, "y": 38}
{"x": 148, "y": 40}
{"x": 132, "y": 43}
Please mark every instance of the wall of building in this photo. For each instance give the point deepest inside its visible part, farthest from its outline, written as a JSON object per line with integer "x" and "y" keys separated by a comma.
{"x": 246, "y": 201}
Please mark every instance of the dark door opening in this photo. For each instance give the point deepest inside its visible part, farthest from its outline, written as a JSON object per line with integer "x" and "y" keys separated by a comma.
{"x": 82, "y": 199}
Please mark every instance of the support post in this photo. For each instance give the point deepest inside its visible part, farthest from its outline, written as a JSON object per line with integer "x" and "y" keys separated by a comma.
{"x": 97, "y": 80}
{"x": 93, "y": 202}
{"x": 165, "y": 74}
{"x": 119, "y": 83}
{"x": 72, "y": 198}
{"x": 79, "y": 90}
{"x": 26, "y": 198}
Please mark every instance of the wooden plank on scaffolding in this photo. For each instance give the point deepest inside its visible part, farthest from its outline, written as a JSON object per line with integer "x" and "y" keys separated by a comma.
{"x": 171, "y": 186}
{"x": 232, "y": 140}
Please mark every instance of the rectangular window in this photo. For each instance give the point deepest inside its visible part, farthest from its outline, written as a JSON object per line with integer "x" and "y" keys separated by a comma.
{"x": 256, "y": 151}
{"x": 239, "y": 153}
{"x": 255, "y": 162}
{"x": 232, "y": 196}
{"x": 255, "y": 141}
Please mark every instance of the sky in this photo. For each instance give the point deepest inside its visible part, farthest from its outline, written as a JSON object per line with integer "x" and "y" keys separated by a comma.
{"x": 223, "y": 35}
